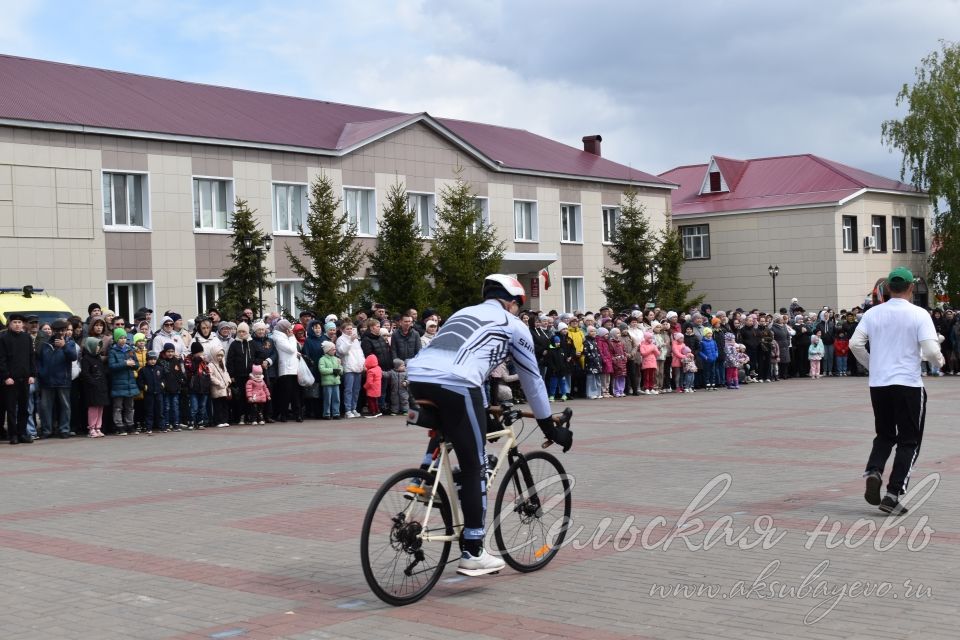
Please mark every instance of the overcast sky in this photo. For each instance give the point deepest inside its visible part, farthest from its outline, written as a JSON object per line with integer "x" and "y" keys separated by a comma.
{"x": 665, "y": 83}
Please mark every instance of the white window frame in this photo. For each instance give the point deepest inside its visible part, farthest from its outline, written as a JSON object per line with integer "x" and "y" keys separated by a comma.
{"x": 534, "y": 231}
{"x": 149, "y": 298}
{"x": 569, "y": 305}
{"x": 372, "y": 214}
{"x": 568, "y": 209}
{"x": 848, "y": 235}
{"x": 484, "y": 203}
{"x": 145, "y": 204}
{"x": 290, "y": 231}
{"x": 689, "y": 248}
{"x": 898, "y": 232}
{"x": 878, "y": 232}
{"x": 231, "y": 199}
{"x": 281, "y": 285}
{"x": 611, "y": 220}
{"x": 205, "y": 304}
{"x": 414, "y": 201}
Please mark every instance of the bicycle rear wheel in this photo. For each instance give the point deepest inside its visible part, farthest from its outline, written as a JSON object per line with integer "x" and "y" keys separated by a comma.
{"x": 398, "y": 565}
{"x": 532, "y": 512}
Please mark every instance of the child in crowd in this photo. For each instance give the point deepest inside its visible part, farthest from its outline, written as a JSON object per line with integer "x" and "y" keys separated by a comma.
{"x": 619, "y": 355}
{"x": 557, "y": 366}
{"x": 140, "y": 351}
{"x": 663, "y": 345}
{"x": 150, "y": 383}
{"x": 676, "y": 361}
{"x": 689, "y": 368}
{"x": 606, "y": 358}
{"x": 258, "y": 394}
{"x": 649, "y": 352}
{"x": 96, "y": 388}
{"x": 730, "y": 361}
{"x": 372, "y": 385}
{"x": 219, "y": 387}
{"x": 122, "y": 364}
{"x": 330, "y": 370}
{"x": 743, "y": 368}
{"x": 815, "y": 354}
{"x": 399, "y": 396}
{"x": 709, "y": 353}
{"x": 173, "y": 381}
{"x": 198, "y": 383}
{"x": 841, "y": 350}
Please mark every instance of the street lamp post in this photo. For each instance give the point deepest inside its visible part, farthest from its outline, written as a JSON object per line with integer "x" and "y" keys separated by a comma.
{"x": 260, "y": 250}
{"x": 774, "y": 271}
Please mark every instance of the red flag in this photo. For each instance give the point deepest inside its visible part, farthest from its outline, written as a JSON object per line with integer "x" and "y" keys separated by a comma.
{"x": 546, "y": 278}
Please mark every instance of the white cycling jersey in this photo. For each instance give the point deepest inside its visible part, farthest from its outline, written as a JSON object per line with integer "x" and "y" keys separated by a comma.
{"x": 472, "y": 343}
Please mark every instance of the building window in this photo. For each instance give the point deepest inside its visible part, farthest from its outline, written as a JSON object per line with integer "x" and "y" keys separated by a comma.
{"x": 849, "y": 234}
{"x": 212, "y": 204}
{"x": 483, "y": 205}
{"x": 918, "y": 240}
{"x": 715, "y": 183}
{"x": 126, "y": 297}
{"x": 571, "y": 224}
{"x": 898, "y": 232}
{"x": 611, "y": 218}
{"x": 361, "y": 213}
{"x": 207, "y": 295}
{"x": 878, "y": 231}
{"x": 422, "y": 205}
{"x": 289, "y": 207}
{"x": 125, "y": 200}
{"x": 573, "y": 295}
{"x": 696, "y": 241}
{"x": 525, "y": 220}
{"x": 287, "y": 294}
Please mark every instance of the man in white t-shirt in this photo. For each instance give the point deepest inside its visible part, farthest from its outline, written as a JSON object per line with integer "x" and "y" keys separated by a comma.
{"x": 900, "y": 335}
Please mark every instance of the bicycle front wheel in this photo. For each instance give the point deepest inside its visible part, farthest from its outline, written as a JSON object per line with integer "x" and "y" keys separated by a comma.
{"x": 398, "y": 564}
{"x": 532, "y": 511}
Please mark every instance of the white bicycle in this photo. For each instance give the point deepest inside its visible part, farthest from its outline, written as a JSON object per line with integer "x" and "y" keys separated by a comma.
{"x": 415, "y": 516}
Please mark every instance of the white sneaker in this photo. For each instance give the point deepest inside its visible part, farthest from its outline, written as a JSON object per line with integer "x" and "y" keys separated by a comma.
{"x": 242, "y": 422}
{"x": 479, "y": 566}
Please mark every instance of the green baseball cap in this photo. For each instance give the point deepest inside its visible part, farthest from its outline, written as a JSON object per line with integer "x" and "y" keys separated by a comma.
{"x": 902, "y": 274}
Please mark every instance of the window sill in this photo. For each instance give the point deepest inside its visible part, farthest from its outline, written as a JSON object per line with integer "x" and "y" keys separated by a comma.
{"x": 127, "y": 229}
{"x": 696, "y": 259}
{"x": 850, "y": 251}
{"x": 286, "y": 234}
{"x": 577, "y": 242}
{"x": 525, "y": 241}
{"x": 213, "y": 232}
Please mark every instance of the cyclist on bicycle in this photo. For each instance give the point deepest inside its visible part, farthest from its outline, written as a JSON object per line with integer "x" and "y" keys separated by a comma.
{"x": 450, "y": 372}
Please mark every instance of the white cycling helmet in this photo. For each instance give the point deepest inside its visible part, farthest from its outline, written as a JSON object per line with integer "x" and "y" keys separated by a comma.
{"x": 503, "y": 287}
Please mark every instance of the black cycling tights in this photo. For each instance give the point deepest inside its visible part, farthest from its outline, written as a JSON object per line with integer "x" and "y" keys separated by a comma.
{"x": 464, "y": 426}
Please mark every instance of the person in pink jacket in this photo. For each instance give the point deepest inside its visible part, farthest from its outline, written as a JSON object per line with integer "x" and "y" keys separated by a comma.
{"x": 258, "y": 393}
{"x": 606, "y": 361}
{"x": 676, "y": 361}
{"x": 372, "y": 385}
{"x": 648, "y": 363}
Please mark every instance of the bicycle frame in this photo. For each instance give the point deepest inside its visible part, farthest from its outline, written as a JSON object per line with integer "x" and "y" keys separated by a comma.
{"x": 508, "y": 453}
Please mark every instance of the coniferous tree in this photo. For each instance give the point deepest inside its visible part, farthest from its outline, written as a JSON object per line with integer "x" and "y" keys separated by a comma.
{"x": 400, "y": 265}
{"x": 670, "y": 291}
{"x": 465, "y": 249}
{"x": 242, "y": 280}
{"x": 332, "y": 254}
{"x": 632, "y": 250}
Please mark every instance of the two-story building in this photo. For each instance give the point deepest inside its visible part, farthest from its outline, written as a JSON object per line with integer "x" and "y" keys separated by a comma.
{"x": 119, "y": 188}
{"x": 830, "y": 230}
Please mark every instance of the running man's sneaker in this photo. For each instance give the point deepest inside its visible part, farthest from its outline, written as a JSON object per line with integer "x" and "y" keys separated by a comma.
{"x": 479, "y": 566}
{"x": 888, "y": 505}
{"x": 874, "y": 482}
{"x": 563, "y": 398}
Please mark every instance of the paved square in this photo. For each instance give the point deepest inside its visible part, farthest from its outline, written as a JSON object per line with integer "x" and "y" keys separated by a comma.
{"x": 253, "y": 532}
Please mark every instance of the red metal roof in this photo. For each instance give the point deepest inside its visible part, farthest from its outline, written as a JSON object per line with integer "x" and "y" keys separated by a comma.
{"x": 56, "y": 93}
{"x": 768, "y": 183}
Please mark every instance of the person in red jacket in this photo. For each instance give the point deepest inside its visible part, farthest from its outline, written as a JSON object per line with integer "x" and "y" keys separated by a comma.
{"x": 372, "y": 385}
{"x": 841, "y": 349}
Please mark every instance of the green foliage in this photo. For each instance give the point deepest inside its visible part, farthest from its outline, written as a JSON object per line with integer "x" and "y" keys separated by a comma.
{"x": 241, "y": 281}
{"x": 632, "y": 251}
{"x": 400, "y": 265}
{"x": 929, "y": 137}
{"x": 332, "y": 255}
{"x": 670, "y": 291}
{"x": 464, "y": 249}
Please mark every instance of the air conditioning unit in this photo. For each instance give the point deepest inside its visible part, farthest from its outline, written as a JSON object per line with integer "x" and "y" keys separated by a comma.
{"x": 869, "y": 243}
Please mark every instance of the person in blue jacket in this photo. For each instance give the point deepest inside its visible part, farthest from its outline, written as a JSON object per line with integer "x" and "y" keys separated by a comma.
{"x": 122, "y": 363}
{"x": 708, "y": 353}
{"x": 54, "y": 368}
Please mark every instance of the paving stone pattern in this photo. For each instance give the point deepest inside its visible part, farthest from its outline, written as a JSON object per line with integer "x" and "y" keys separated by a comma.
{"x": 253, "y": 532}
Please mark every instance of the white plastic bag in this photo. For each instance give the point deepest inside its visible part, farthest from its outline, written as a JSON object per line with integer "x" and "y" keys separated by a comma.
{"x": 304, "y": 377}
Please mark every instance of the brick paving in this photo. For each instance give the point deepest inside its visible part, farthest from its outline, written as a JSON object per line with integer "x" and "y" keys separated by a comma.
{"x": 252, "y": 532}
